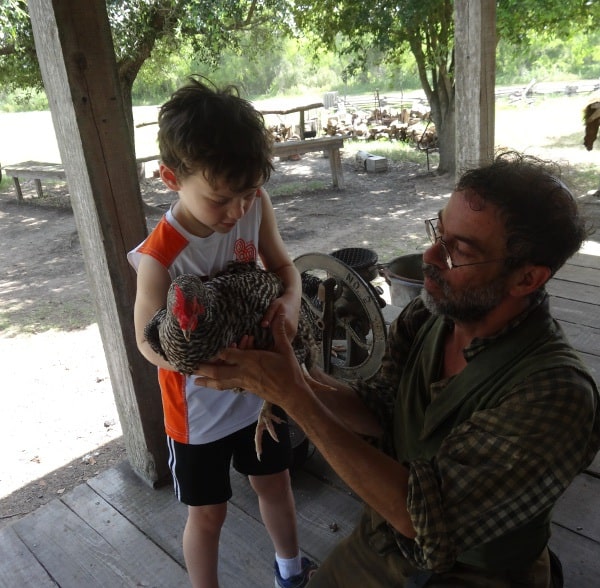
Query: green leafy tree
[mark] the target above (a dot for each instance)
(426, 28)
(18, 62)
(143, 29)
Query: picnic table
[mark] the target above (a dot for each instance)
(329, 145)
(41, 170)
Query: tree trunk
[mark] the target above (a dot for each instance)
(443, 116)
(438, 86)
(126, 93)
(446, 133)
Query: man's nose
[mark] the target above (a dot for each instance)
(434, 255)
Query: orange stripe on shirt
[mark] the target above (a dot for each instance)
(174, 402)
(165, 243)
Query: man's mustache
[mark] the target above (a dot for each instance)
(433, 273)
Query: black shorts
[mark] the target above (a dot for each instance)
(201, 472)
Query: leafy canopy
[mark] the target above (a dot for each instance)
(141, 26)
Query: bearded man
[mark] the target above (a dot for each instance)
(482, 411)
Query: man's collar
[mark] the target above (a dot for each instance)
(540, 297)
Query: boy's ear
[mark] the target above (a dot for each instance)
(168, 177)
(528, 279)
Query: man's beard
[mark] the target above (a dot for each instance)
(468, 306)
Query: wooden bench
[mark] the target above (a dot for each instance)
(36, 171)
(329, 145)
(39, 170)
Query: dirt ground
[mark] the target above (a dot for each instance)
(59, 422)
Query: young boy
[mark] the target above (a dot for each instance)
(216, 154)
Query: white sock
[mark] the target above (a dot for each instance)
(289, 567)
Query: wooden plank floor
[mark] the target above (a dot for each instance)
(116, 531)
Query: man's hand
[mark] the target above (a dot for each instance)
(269, 374)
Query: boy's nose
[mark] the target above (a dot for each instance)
(236, 210)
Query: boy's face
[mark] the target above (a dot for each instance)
(204, 208)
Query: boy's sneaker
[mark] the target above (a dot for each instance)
(298, 581)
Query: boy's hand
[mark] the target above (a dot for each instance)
(278, 307)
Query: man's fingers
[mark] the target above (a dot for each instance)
(279, 333)
(246, 342)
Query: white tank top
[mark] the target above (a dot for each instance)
(194, 414)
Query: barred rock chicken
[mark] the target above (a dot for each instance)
(203, 318)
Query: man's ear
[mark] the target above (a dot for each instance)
(169, 178)
(528, 279)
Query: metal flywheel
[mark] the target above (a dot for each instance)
(345, 312)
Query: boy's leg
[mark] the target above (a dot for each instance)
(201, 481)
(270, 480)
(278, 511)
(201, 543)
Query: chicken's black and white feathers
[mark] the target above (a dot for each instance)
(227, 307)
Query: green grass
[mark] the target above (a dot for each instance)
(394, 150)
(583, 177)
(297, 187)
(5, 183)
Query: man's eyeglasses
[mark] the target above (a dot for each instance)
(435, 238)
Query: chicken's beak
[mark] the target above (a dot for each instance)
(187, 334)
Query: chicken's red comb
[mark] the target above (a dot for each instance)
(179, 306)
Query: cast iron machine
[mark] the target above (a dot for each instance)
(345, 309)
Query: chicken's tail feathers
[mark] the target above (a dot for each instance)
(152, 333)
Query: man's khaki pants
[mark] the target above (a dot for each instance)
(359, 562)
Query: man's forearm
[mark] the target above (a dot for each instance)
(343, 401)
(378, 479)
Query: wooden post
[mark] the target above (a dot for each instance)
(475, 54)
(18, 189)
(77, 60)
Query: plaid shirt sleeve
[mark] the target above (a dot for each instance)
(502, 467)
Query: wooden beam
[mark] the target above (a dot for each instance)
(294, 109)
(77, 60)
(475, 54)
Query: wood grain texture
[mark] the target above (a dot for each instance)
(18, 566)
(77, 61)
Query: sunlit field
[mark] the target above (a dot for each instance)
(550, 127)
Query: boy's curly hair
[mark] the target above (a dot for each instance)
(214, 131)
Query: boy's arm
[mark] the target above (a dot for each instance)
(153, 281)
(275, 258)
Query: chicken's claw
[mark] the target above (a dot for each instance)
(266, 420)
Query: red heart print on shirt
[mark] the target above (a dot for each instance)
(244, 251)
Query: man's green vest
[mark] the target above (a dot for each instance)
(420, 425)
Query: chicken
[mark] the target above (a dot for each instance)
(203, 318)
